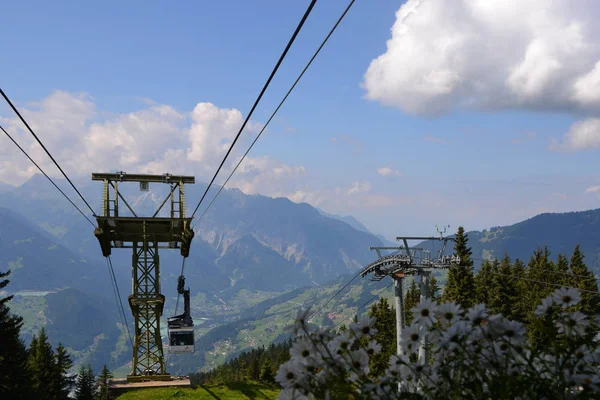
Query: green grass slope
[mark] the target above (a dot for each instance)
(229, 391)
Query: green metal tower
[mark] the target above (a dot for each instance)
(145, 235)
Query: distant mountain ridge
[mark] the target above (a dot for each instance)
(560, 232)
(356, 224)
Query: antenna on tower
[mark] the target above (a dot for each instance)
(441, 232)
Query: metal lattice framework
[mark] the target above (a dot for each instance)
(409, 261)
(145, 235)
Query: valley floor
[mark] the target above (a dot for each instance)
(239, 390)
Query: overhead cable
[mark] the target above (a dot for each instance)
(46, 175)
(278, 107)
(292, 39)
(45, 149)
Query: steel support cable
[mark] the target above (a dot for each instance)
(292, 39)
(179, 294)
(120, 308)
(278, 107)
(120, 301)
(45, 149)
(366, 303)
(336, 293)
(46, 175)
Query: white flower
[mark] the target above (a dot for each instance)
(363, 327)
(301, 322)
(302, 349)
(544, 308)
(572, 323)
(291, 394)
(360, 361)
(340, 343)
(477, 314)
(424, 312)
(452, 337)
(373, 348)
(290, 375)
(411, 337)
(566, 297)
(448, 312)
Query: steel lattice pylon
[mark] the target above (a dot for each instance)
(147, 304)
(145, 235)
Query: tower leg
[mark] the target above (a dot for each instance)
(399, 312)
(147, 306)
(424, 349)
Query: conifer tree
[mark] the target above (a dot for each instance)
(483, 283)
(385, 323)
(411, 299)
(14, 372)
(434, 288)
(62, 381)
(102, 384)
(460, 286)
(85, 386)
(504, 291)
(520, 308)
(44, 367)
(539, 275)
(584, 279)
(562, 270)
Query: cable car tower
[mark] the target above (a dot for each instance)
(407, 261)
(145, 235)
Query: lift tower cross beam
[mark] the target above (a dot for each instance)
(145, 235)
(407, 261)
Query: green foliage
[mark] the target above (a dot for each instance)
(411, 299)
(235, 390)
(515, 290)
(102, 384)
(14, 374)
(385, 323)
(85, 386)
(258, 365)
(460, 286)
(483, 283)
(504, 292)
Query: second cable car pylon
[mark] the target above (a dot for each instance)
(145, 235)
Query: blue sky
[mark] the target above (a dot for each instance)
(484, 158)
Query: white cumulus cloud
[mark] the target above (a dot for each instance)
(593, 189)
(156, 139)
(581, 135)
(387, 171)
(490, 54)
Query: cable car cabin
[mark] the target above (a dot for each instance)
(181, 339)
(180, 328)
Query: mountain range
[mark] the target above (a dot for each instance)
(253, 262)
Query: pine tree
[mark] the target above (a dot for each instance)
(584, 279)
(504, 291)
(85, 386)
(460, 286)
(411, 299)
(102, 384)
(540, 274)
(62, 381)
(14, 372)
(385, 323)
(434, 288)
(521, 307)
(44, 367)
(483, 283)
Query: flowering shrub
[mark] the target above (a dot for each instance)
(472, 355)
